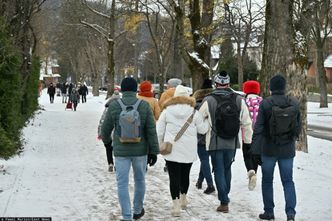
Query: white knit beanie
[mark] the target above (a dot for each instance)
(181, 91)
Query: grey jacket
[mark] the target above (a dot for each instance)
(208, 109)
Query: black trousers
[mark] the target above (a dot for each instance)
(109, 155)
(178, 178)
(248, 160)
(51, 98)
(83, 98)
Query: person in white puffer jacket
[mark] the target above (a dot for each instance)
(176, 112)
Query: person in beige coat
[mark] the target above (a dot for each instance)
(171, 85)
(145, 93)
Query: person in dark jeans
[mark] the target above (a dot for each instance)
(205, 169)
(51, 92)
(83, 91)
(275, 149)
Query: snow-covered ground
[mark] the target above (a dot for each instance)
(62, 174)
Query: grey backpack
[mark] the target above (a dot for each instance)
(129, 123)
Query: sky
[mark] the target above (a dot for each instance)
(62, 173)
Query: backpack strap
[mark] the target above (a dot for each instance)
(124, 107)
(135, 106)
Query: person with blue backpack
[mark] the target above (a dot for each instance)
(252, 90)
(227, 113)
(135, 144)
(277, 127)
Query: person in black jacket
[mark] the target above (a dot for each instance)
(275, 147)
(83, 91)
(51, 92)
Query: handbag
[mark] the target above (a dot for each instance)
(166, 147)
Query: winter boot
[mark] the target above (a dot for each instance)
(199, 184)
(290, 218)
(223, 208)
(176, 209)
(183, 201)
(252, 180)
(266, 216)
(139, 215)
(111, 168)
(209, 189)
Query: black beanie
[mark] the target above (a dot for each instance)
(129, 84)
(207, 84)
(277, 83)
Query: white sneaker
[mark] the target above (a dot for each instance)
(252, 180)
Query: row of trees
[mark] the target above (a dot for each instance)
(155, 40)
(19, 71)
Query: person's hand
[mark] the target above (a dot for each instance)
(257, 159)
(152, 159)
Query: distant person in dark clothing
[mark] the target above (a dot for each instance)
(64, 88)
(74, 97)
(51, 92)
(70, 89)
(83, 91)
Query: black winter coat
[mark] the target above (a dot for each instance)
(262, 142)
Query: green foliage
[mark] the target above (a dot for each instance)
(30, 95)
(18, 97)
(10, 94)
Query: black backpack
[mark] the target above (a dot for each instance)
(227, 115)
(282, 123)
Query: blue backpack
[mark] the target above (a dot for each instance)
(129, 123)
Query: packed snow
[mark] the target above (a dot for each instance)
(62, 173)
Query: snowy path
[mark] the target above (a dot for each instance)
(62, 174)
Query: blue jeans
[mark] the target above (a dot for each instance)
(122, 165)
(222, 161)
(205, 170)
(286, 175)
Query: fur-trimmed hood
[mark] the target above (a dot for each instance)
(201, 93)
(179, 100)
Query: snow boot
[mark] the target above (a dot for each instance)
(209, 189)
(290, 218)
(266, 216)
(139, 215)
(223, 208)
(252, 180)
(176, 209)
(183, 201)
(111, 168)
(199, 184)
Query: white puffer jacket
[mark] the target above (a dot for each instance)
(177, 111)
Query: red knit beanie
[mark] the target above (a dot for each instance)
(145, 89)
(145, 86)
(251, 87)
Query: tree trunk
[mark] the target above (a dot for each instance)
(110, 52)
(321, 75)
(240, 67)
(279, 57)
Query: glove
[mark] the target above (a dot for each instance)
(152, 159)
(257, 159)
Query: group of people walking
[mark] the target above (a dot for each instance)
(69, 93)
(211, 124)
